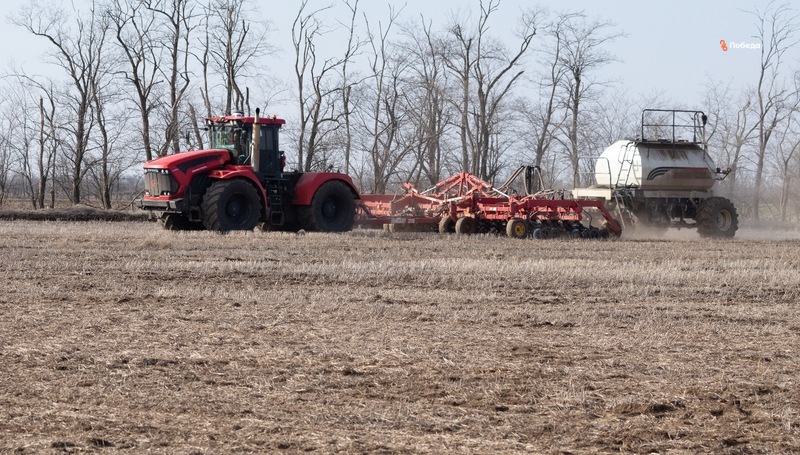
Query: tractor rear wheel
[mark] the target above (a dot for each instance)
(332, 209)
(716, 217)
(517, 228)
(231, 205)
(466, 225)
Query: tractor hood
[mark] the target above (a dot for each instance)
(190, 162)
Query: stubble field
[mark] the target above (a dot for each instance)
(124, 337)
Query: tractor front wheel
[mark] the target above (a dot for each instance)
(717, 217)
(178, 222)
(332, 209)
(231, 205)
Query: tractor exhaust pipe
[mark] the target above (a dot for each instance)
(255, 140)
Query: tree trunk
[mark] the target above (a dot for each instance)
(573, 134)
(464, 130)
(148, 150)
(41, 187)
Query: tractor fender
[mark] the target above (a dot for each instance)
(246, 173)
(309, 183)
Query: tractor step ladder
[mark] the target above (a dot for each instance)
(625, 168)
(275, 201)
(619, 208)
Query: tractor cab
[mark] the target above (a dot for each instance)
(235, 134)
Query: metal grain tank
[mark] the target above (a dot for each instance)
(653, 165)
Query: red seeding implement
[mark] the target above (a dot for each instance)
(465, 204)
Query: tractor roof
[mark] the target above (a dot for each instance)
(240, 118)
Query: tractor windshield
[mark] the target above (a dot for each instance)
(233, 137)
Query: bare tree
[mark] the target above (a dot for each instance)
(49, 143)
(731, 128)
(786, 161)
(108, 162)
(203, 57)
(198, 136)
(80, 54)
(541, 115)
(460, 59)
(582, 53)
(477, 58)
(353, 46)
(493, 84)
(20, 135)
(316, 89)
(176, 26)
(385, 120)
(134, 27)
(775, 26)
(234, 42)
(425, 94)
(17, 137)
(8, 121)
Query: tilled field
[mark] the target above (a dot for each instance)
(124, 337)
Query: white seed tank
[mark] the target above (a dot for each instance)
(661, 166)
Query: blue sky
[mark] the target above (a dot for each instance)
(671, 47)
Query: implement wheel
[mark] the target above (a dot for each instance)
(717, 218)
(231, 205)
(517, 228)
(466, 225)
(447, 225)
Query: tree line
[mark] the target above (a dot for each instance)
(386, 99)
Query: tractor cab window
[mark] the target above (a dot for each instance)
(270, 161)
(236, 138)
(233, 138)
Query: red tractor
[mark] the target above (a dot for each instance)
(239, 183)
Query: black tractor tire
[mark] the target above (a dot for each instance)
(466, 225)
(332, 209)
(231, 205)
(178, 222)
(716, 217)
(447, 225)
(517, 228)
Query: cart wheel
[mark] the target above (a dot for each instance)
(517, 228)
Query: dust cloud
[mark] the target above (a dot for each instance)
(686, 234)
